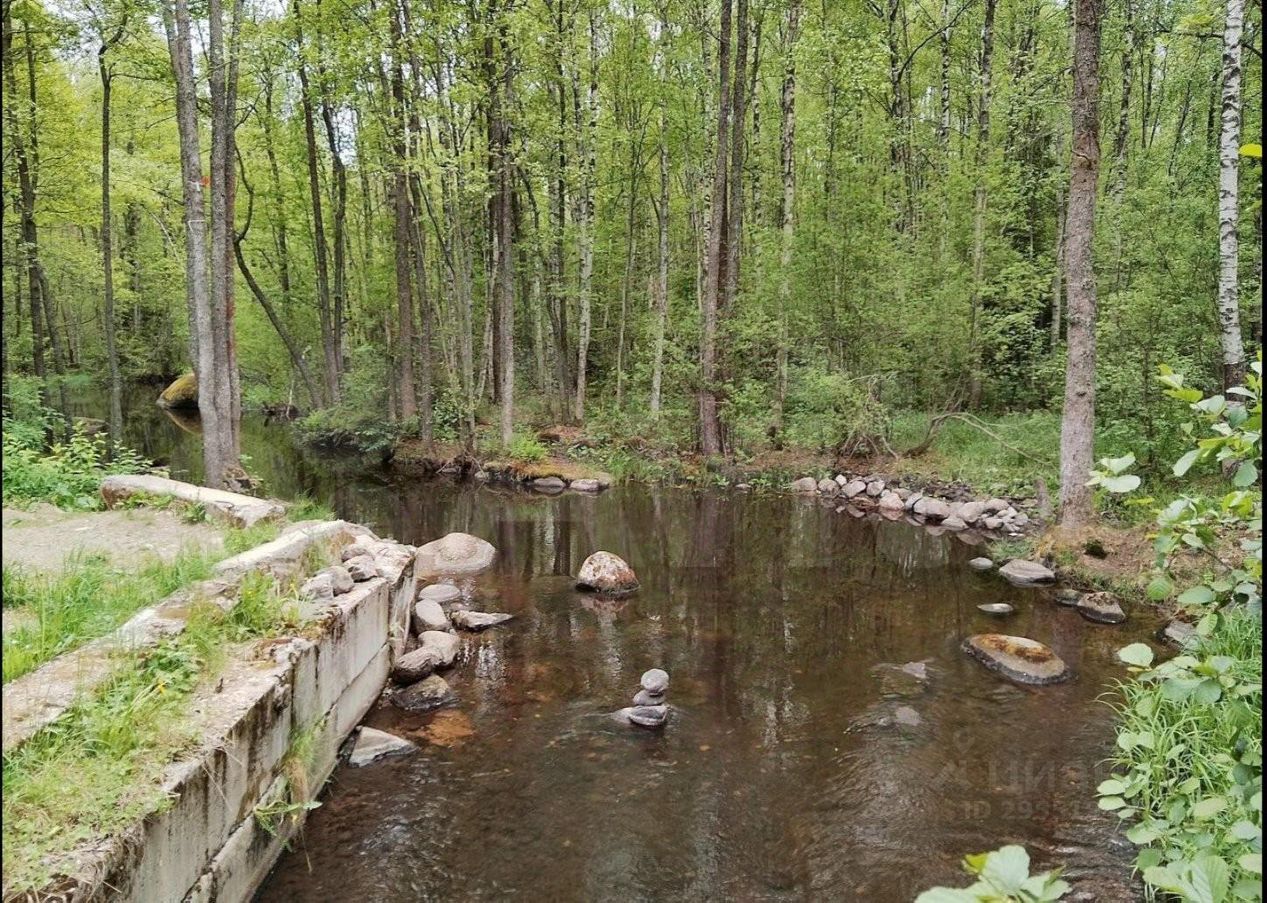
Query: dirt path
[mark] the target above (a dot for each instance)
(42, 536)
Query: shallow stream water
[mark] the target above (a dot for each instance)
(801, 763)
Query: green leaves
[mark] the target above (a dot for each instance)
(1112, 475)
(1004, 878)
(1138, 654)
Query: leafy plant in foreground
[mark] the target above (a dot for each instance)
(1002, 877)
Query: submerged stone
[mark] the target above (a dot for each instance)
(440, 593)
(427, 694)
(644, 715)
(374, 744)
(1103, 608)
(996, 608)
(981, 564)
(1017, 658)
(436, 650)
(479, 620)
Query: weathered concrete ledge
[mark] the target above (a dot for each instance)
(35, 700)
(238, 510)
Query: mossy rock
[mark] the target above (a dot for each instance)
(182, 393)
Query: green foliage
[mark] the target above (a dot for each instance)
(1003, 876)
(1189, 760)
(826, 410)
(526, 449)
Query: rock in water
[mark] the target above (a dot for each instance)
(981, 564)
(425, 695)
(804, 484)
(604, 572)
(645, 715)
(436, 650)
(853, 488)
(373, 744)
(456, 553)
(1068, 596)
(181, 394)
(428, 615)
(1103, 608)
(1180, 633)
(440, 593)
(907, 716)
(585, 484)
(1017, 658)
(891, 501)
(655, 681)
(1026, 573)
(644, 698)
(548, 484)
(996, 608)
(479, 620)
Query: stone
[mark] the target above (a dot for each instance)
(1020, 520)
(655, 681)
(907, 716)
(436, 650)
(456, 553)
(971, 512)
(428, 615)
(318, 588)
(954, 523)
(828, 487)
(804, 484)
(743, 487)
(341, 578)
(875, 488)
(647, 715)
(1068, 596)
(362, 568)
(548, 484)
(1103, 608)
(1017, 658)
(996, 608)
(934, 509)
(890, 501)
(991, 522)
(604, 572)
(903, 494)
(440, 593)
(585, 485)
(374, 744)
(1180, 633)
(1008, 514)
(995, 505)
(644, 698)
(853, 488)
(1026, 573)
(912, 500)
(355, 550)
(479, 620)
(181, 394)
(981, 564)
(427, 694)
(841, 480)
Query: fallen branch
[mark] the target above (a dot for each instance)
(974, 422)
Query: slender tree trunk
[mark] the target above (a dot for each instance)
(1121, 139)
(662, 267)
(1229, 200)
(278, 216)
(734, 203)
(1058, 274)
(107, 250)
(787, 215)
(979, 199)
(706, 397)
(1077, 430)
(943, 122)
(401, 210)
(587, 223)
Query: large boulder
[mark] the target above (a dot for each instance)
(931, 508)
(891, 501)
(181, 394)
(1026, 573)
(1017, 658)
(455, 554)
(604, 572)
(804, 484)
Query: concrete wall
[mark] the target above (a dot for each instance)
(210, 844)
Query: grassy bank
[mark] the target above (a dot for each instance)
(98, 769)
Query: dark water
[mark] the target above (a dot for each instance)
(785, 774)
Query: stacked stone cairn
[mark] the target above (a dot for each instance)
(649, 709)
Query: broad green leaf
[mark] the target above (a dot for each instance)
(1198, 595)
(1118, 465)
(1111, 786)
(1125, 483)
(1160, 588)
(1252, 862)
(1111, 803)
(1246, 475)
(1208, 808)
(1184, 464)
(1138, 654)
(1006, 868)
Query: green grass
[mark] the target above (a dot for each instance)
(1188, 767)
(98, 769)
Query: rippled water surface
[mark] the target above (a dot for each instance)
(801, 762)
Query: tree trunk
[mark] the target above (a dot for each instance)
(787, 222)
(662, 264)
(979, 198)
(1077, 429)
(706, 396)
(1121, 139)
(401, 209)
(107, 251)
(1229, 200)
(586, 223)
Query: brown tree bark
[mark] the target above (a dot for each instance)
(1077, 430)
(787, 223)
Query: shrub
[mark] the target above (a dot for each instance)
(526, 449)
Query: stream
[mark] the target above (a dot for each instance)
(801, 762)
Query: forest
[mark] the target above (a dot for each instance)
(727, 225)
